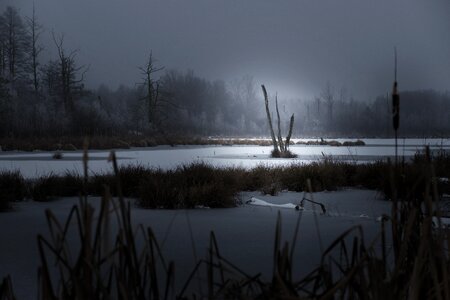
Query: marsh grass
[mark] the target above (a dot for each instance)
(200, 184)
(50, 187)
(189, 186)
(12, 188)
(6, 289)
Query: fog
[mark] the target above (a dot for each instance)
(293, 46)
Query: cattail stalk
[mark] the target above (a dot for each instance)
(395, 107)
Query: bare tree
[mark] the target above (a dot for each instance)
(70, 76)
(14, 44)
(249, 95)
(328, 96)
(2, 47)
(35, 30)
(151, 86)
(318, 106)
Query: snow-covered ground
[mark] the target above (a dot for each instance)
(38, 163)
(245, 234)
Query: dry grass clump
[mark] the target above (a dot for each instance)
(50, 187)
(57, 155)
(130, 176)
(263, 178)
(189, 186)
(282, 154)
(323, 176)
(370, 176)
(12, 188)
(158, 191)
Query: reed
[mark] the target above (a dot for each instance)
(6, 289)
(12, 188)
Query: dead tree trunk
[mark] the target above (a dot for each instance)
(151, 96)
(35, 30)
(288, 137)
(269, 119)
(280, 139)
(280, 149)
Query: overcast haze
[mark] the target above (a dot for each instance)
(293, 46)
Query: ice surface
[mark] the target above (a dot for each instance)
(38, 163)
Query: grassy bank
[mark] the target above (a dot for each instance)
(200, 184)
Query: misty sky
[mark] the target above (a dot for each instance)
(292, 46)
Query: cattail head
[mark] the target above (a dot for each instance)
(395, 106)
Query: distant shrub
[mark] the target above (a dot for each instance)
(334, 143)
(57, 155)
(355, 143)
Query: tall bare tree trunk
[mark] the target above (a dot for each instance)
(288, 137)
(269, 119)
(280, 139)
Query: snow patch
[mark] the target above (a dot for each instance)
(259, 202)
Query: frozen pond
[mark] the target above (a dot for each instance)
(38, 163)
(245, 234)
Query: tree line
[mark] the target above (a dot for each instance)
(49, 98)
